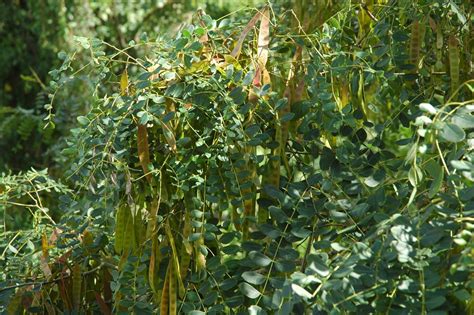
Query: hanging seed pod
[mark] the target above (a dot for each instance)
(138, 227)
(186, 248)
(453, 52)
(143, 150)
(172, 291)
(120, 228)
(174, 257)
(165, 293)
(151, 225)
(14, 305)
(129, 232)
(439, 49)
(415, 44)
(200, 258)
(124, 83)
(152, 266)
(76, 286)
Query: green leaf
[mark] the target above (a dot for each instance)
(452, 133)
(83, 120)
(249, 291)
(463, 120)
(83, 41)
(287, 117)
(278, 214)
(259, 259)
(253, 277)
(143, 119)
(301, 291)
(462, 295)
(319, 267)
(228, 284)
(238, 95)
(436, 171)
(256, 310)
(183, 141)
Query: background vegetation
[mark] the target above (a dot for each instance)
(306, 157)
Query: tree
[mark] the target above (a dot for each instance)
(277, 162)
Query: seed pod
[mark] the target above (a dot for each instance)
(129, 232)
(186, 248)
(143, 150)
(439, 49)
(76, 286)
(174, 259)
(151, 224)
(415, 44)
(453, 52)
(120, 228)
(172, 289)
(153, 263)
(165, 293)
(124, 83)
(200, 258)
(15, 304)
(138, 226)
(249, 199)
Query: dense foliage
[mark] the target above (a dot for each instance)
(305, 157)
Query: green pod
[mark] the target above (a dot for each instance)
(129, 232)
(76, 286)
(415, 44)
(139, 229)
(454, 61)
(14, 305)
(120, 228)
(165, 293)
(173, 297)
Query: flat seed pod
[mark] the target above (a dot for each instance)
(152, 265)
(415, 44)
(165, 293)
(129, 232)
(151, 225)
(174, 258)
(238, 46)
(124, 83)
(138, 226)
(143, 150)
(186, 248)
(14, 306)
(453, 52)
(200, 258)
(173, 305)
(76, 286)
(120, 228)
